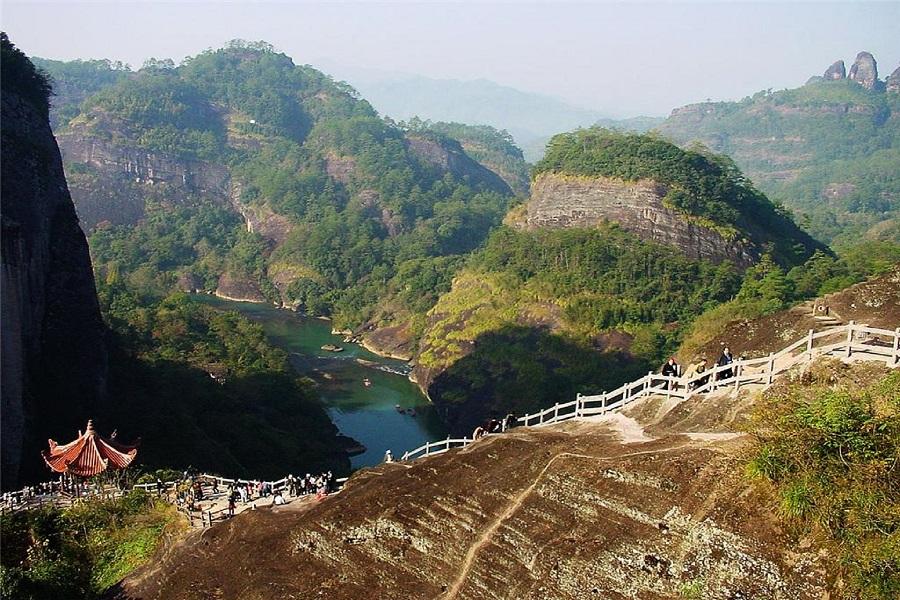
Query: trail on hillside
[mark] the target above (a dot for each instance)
(517, 502)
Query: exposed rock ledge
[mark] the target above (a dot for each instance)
(239, 290)
(559, 201)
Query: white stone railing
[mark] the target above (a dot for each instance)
(849, 340)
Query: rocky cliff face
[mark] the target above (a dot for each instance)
(568, 201)
(53, 356)
(893, 81)
(451, 158)
(835, 71)
(865, 71)
(112, 181)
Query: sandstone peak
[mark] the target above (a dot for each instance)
(865, 70)
(893, 81)
(835, 71)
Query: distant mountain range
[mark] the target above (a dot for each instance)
(829, 150)
(531, 118)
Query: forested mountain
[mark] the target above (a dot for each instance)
(625, 240)
(493, 148)
(829, 150)
(243, 173)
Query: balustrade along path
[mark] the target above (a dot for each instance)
(848, 342)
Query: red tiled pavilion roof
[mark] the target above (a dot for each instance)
(88, 455)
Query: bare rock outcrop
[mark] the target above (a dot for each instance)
(865, 70)
(835, 71)
(112, 182)
(893, 81)
(450, 157)
(571, 511)
(570, 201)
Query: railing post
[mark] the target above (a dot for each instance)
(897, 345)
(556, 411)
(849, 339)
(649, 381)
(578, 402)
(809, 345)
(209, 517)
(737, 377)
(771, 368)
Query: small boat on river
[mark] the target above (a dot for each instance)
(332, 348)
(367, 382)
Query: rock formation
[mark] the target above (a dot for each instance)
(451, 158)
(123, 178)
(835, 71)
(53, 355)
(893, 81)
(865, 71)
(568, 201)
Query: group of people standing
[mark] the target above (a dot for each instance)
(672, 369)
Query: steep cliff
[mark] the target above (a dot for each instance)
(112, 182)
(559, 200)
(54, 360)
(692, 200)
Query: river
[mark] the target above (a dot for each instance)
(368, 414)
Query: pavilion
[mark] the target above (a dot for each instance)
(89, 454)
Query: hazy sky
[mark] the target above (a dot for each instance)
(622, 58)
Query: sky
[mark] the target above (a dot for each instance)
(624, 59)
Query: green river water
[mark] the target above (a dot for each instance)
(367, 414)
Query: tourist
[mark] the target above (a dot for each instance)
(243, 493)
(695, 369)
(725, 359)
(671, 369)
(231, 503)
(388, 457)
(277, 499)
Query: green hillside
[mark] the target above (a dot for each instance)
(705, 187)
(830, 151)
(360, 203)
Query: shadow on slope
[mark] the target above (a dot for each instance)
(518, 369)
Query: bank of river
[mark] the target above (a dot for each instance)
(367, 414)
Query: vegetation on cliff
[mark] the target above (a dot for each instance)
(706, 187)
(493, 148)
(82, 551)
(829, 150)
(767, 288)
(540, 315)
(829, 446)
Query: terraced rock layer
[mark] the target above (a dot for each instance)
(563, 512)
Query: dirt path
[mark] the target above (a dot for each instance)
(516, 503)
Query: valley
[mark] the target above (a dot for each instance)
(366, 413)
(238, 261)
